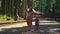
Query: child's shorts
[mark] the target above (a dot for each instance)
(36, 22)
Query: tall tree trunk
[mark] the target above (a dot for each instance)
(12, 10)
(5, 7)
(17, 9)
(26, 6)
(23, 8)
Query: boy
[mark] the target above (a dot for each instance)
(37, 22)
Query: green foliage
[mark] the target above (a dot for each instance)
(43, 4)
(35, 3)
(19, 3)
(4, 16)
(57, 4)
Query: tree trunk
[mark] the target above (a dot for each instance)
(12, 9)
(23, 8)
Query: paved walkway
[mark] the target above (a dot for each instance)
(49, 27)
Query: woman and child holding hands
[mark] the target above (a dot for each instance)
(29, 16)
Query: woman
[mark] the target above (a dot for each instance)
(29, 18)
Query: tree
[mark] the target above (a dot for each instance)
(57, 4)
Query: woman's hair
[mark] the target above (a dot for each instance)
(30, 9)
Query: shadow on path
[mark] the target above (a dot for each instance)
(19, 30)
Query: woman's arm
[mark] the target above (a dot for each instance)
(36, 12)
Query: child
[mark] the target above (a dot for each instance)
(37, 22)
(37, 14)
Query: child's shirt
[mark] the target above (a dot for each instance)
(36, 21)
